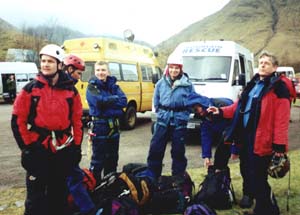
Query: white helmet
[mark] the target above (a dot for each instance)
(174, 59)
(53, 51)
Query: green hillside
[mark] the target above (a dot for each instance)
(271, 25)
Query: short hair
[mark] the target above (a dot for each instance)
(271, 56)
(100, 63)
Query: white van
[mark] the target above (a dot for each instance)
(216, 68)
(23, 72)
(287, 70)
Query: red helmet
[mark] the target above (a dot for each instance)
(74, 61)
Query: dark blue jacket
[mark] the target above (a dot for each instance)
(105, 99)
(211, 130)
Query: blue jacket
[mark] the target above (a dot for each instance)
(105, 99)
(210, 129)
(170, 102)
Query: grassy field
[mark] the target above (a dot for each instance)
(11, 200)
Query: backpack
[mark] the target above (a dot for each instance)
(134, 168)
(216, 190)
(123, 205)
(89, 183)
(171, 194)
(199, 209)
(139, 187)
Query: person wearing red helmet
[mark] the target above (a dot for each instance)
(74, 67)
(46, 124)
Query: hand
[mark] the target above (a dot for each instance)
(213, 110)
(207, 162)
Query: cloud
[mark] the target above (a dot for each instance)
(151, 21)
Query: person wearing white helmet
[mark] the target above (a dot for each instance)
(46, 123)
(170, 98)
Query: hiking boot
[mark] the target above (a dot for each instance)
(246, 202)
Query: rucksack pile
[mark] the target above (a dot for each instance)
(216, 190)
(172, 194)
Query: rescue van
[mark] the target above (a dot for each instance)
(132, 64)
(23, 72)
(216, 68)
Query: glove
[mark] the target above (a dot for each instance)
(34, 157)
(76, 155)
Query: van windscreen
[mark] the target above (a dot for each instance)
(207, 68)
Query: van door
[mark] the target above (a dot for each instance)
(130, 84)
(147, 87)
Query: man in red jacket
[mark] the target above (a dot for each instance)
(46, 123)
(260, 121)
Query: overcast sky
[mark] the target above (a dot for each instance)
(152, 21)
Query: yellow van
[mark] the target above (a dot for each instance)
(132, 64)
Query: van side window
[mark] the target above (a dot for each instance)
(21, 77)
(249, 73)
(114, 69)
(146, 73)
(88, 72)
(236, 72)
(129, 72)
(242, 64)
(158, 71)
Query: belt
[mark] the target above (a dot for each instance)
(176, 109)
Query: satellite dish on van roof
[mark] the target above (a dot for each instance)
(128, 35)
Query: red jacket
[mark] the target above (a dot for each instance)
(46, 108)
(273, 122)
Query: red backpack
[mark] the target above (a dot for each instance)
(291, 87)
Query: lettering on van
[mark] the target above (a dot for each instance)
(202, 48)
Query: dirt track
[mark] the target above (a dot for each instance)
(134, 147)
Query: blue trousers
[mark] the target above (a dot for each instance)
(105, 148)
(162, 134)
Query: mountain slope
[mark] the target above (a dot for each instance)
(271, 25)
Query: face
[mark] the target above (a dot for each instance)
(199, 110)
(101, 72)
(48, 65)
(174, 71)
(76, 74)
(265, 67)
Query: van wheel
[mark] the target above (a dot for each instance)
(129, 118)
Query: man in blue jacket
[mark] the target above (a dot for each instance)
(106, 101)
(211, 131)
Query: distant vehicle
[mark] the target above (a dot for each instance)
(287, 70)
(216, 68)
(132, 64)
(23, 72)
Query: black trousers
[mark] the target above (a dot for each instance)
(47, 187)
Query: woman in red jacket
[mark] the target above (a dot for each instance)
(260, 124)
(46, 123)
